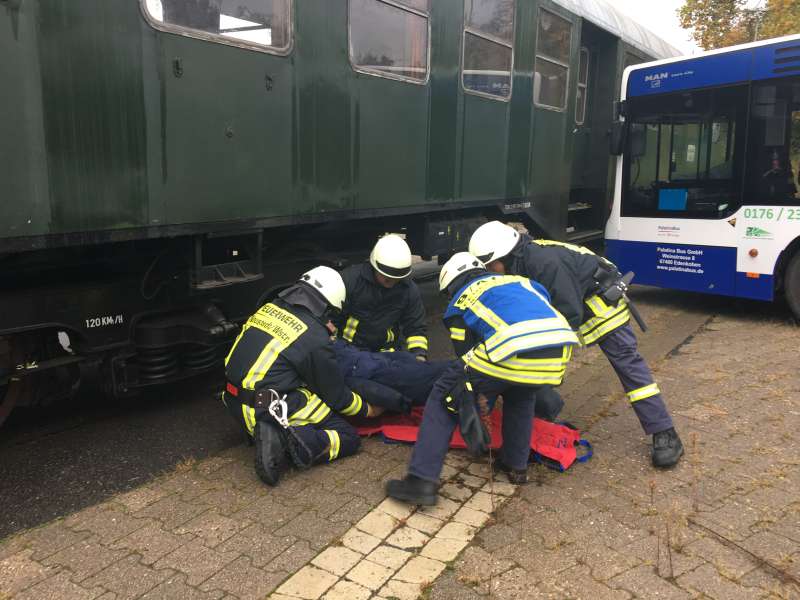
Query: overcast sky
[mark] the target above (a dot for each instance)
(661, 18)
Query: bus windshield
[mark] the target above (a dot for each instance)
(685, 154)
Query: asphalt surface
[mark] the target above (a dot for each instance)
(75, 455)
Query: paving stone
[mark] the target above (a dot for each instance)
(579, 583)
(107, 525)
(731, 563)
(58, 587)
(457, 531)
(498, 536)
(775, 548)
(393, 558)
(443, 509)
(448, 473)
(139, 498)
(243, 580)
(211, 527)
(171, 511)
(128, 578)
(606, 562)
(228, 500)
(399, 510)
(420, 570)
(258, 543)
(470, 480)
(644, 582)
(514, 585)
(407, 538)
(18, 571)
(46, 541)
(500, 488)
(424, 523)
(469, 516)
(309, 583)
(195, 560)
(377, 524)
(175, 588)
(478, 565)
(360, 541)
(479, 470)
(483, 502)
(152, 542)
(456, 492)
(442, 549)
(347, 590)
(707, 580)
(85, 558)
(337, 559)
(401, 590)
(317, 531)
(293, 558)
(459, 461)
(370, 575)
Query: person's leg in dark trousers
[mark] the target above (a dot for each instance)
(619, 346)
(433, 440)
(326, 441)
(519, 404)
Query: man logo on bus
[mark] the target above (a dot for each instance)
(655, 79)
(757, 232)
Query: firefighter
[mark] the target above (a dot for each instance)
(284, 385)
(570, 274)
(384, 307)
(511, 342)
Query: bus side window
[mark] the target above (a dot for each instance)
(774, 151)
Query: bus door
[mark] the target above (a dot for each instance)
(682, 189)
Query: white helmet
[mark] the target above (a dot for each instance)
(493, 240)
(391, 257)
(459, 263)
(327, 282)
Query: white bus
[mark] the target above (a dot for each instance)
(707, 195)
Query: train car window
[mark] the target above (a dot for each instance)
(551, 71)
(488, 47)
(583, 88)
(390, 39)
(264, 25)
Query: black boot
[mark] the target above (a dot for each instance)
(413, 490)
(515, 476)
(667, 448)
(271, 460)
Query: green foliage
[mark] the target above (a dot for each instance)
(720, 23)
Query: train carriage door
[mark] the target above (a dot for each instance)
(486, 78)
(594, 97)
(221, 87)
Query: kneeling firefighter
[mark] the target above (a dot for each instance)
(512, 343)
(284, 385)
(589, 291)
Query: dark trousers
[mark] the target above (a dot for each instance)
(620, 349)
(438, 425)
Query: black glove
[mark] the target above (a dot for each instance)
(462, 401)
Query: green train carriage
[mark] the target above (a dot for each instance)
(168, 164)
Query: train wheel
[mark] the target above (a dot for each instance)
(11, 353)
(792, 284)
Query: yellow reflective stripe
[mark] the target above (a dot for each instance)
(526, 327)
(387, 349)
(458, 334)
(389, 335)
(262, 364)
(527, 377)
(355, 406)
(236, 341)
(249, 415)
(573, 247)
(468, 385)
(350, 329)
(532, 364)
(417, 341)
(487, 314)
(314, 411)
(476, 289)
(532, 341)
(594, 329)
(335, 444)
(643, 393)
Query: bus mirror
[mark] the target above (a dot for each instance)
(638, 139)
(616, 138)
(619, 109)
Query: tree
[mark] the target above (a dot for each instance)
(720, 23)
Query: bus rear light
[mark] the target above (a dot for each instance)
(753, 252)
(753, 275)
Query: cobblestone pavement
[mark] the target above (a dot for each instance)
(724, 524)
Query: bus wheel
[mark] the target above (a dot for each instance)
(12, 392)
(792, 284)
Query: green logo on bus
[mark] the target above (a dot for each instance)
(757, 232)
